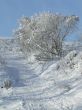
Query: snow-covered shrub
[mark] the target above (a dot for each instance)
(44, 34)
(7, 84)
(71, 55)
(70, 58)
(67, 63)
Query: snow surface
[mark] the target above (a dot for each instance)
(55, 85)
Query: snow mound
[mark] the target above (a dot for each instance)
(67, 67)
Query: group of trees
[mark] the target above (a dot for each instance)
(42, 35)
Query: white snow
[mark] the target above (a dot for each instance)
(55, 86)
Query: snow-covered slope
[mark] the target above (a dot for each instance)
(58, 87)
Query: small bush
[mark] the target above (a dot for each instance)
(7, 84)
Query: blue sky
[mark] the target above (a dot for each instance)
(12, 10)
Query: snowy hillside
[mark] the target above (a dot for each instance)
(55, 85)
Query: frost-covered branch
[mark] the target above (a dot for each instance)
(44, 33)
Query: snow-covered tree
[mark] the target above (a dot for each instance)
(43, 34)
